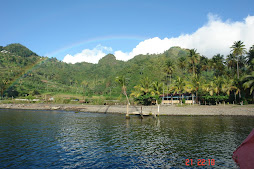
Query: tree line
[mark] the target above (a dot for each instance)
(212, 80)
(145, 77)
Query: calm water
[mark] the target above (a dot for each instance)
(54, 139)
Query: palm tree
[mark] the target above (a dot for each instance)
(178, 87)
(238, 49)
(4, 85)
(231, 61)
(182, 62)
(145, 86)
(242, 62)
(169, 68)
(190, 89)
(250, 55)
(228, 86)
(71, 81)
(84, 84)
(211, 88)
(204, 63)
(146, 89)
(238, 85)
(196, 83)
(193, 59)
(217, 63)
(121, 80)
(157, 90)
(250, 58)
(249, 83)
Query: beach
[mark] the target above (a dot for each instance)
(245, 110)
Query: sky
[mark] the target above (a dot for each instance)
(87, 30)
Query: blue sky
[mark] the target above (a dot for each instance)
(57, 28)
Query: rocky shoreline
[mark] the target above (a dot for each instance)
(247, 110)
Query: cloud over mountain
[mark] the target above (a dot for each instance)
(216, 36)
(88, 55)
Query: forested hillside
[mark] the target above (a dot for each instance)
(176, 71)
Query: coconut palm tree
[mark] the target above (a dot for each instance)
(238, 49)
(238, 84)
(148, 91)
(249, 83)
(231, 61)
(193, 59)
(210, 87)
(217, 63)
(250, 57)
(3, 85)
(145, 85)
(228, 86)
(182, 62)
(169, 68)
(84, 85)
(178, 87)
(144, 89)
(204, 63)
(190, 89)
(157, 90)
(196, 83)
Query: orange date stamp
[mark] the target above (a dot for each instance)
(199, 162)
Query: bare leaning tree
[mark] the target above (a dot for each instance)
(121, 80)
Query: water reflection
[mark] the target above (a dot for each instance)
(71, 140)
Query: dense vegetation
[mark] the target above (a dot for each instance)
(144, 78)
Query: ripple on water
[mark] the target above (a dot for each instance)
(46, 139)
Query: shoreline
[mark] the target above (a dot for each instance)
(230, 110)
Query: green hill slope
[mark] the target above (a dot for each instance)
(23, 72)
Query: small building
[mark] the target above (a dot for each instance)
(51, 99)
(5, 51)
(175, 98)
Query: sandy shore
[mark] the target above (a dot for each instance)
(121, 109)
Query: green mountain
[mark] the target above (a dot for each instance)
(27, 72)
(19, 50)
(23, 72)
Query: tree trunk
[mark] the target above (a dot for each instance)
(252, 97)
(192, 98)
(128, 102)
(193, 69)
(127, 112)
(235, 96)
(2, 93)
(126, 96)
(180, 99)
(158, 108)
(196, 96)
(237, 67)
(163, 93)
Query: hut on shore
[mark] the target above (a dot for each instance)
(176, 98)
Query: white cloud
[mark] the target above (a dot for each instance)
(88, 55)
(216, 36)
